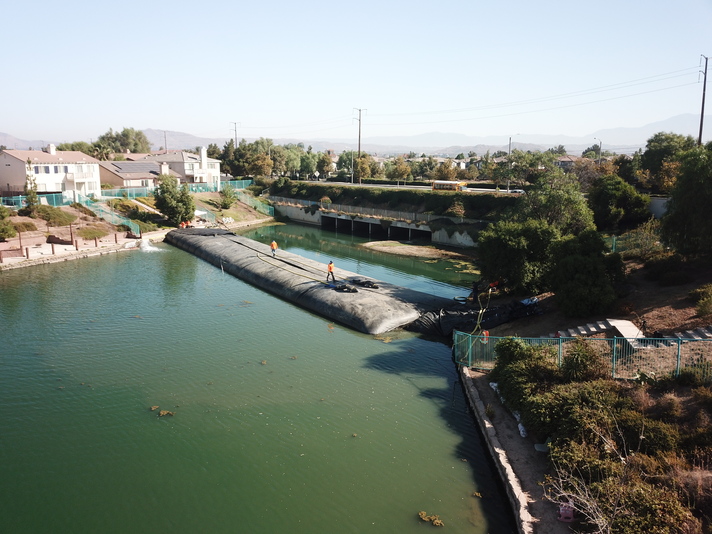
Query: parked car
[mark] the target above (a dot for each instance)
(517, 191)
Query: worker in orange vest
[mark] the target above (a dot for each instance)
(274, 247)
(330, 271)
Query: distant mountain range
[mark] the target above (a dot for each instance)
(619, 140)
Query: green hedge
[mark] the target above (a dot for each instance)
(488, 206)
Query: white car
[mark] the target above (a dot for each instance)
(517, 191)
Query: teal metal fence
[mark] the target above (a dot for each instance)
(255, 204)
(108, 215)
(136, 192)
(629, 358)
(127, 192)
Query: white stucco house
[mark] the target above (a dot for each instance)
(193, 168)
(54, 171)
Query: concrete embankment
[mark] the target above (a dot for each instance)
(302, 281)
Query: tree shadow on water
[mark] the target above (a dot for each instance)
(455, 410)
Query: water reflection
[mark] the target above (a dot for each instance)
(443, 277)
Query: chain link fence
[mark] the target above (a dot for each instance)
(629, 358)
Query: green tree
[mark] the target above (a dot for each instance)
(7, 230)
(687, 226)
(174, 202)
(398, 170)
(32, 200)
(445, 171)
(228, 196)
(101, 151)
(128, 140)
(77, 146)
(518, 252)
(616, 205)
(279, 159)
(259, 165)
(324, 165)
(214, 151)
(362, 168)
(662, 147)
(579, 275)
(307, 165)
(559, 150)
(346, 160)
(557, 199)
(293, 159)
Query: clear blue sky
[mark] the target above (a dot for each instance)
(72, 70)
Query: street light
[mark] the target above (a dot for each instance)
(600, 149)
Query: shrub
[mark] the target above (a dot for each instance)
(7, 229)
(647, 435)
(583, 363)
(573, 411)
(701, 293)
(661, 264)
(704, 307)
(25, 226)
(145, 226)
(83, 209)
(55, 216)
(640, 507)
(91, 232)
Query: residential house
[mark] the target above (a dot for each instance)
(133, 173)
(192, 168)
(54, 171)
(567, 162)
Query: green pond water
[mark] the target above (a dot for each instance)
(284, 421)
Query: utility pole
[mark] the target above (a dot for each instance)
(704, 90)
(165, 142)
(359, 139)
(235, 124)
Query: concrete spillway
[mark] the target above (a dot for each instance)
(302, 281)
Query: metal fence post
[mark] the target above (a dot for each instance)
(679, 357)
(613, 357)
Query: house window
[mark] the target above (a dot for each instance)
(46, 169)
(189, 167)
(37, 170)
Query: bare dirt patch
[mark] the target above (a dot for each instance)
(407, 248)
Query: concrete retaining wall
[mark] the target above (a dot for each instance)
(458, 239)
(517, 497)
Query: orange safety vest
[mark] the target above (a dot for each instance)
(273, 246)
(331, 267)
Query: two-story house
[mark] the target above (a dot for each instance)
(133, 173)
(193, 168)
(54, 171)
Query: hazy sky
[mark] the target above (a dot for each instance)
(278, 69)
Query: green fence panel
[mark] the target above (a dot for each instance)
(629, 358)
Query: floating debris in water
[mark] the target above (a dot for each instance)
(434, 518)
(154, 408)
(163, 413)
